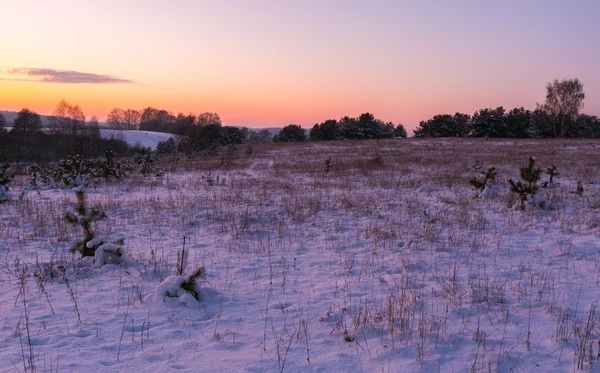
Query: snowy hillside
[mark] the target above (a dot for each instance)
(387, 260)
(142, 138)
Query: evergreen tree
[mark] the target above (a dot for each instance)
(518, 123)
(489, 123)
(530, 175)
(445, 125)
(291, 133)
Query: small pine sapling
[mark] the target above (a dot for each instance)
(579, 189)
(328, 166)
(36, 176)
(209, 179)
(4, 180)
(74, 171)
(489, 176)
(190, 284)
(86, 219)
(552, 172)
(530, 176)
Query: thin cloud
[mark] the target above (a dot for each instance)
(65, 76)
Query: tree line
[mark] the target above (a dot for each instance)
(364, 127)
(67, 133)
(558, 116)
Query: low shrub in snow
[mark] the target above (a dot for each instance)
(184, 288)
(487, 178)
(74, 171)
(108, 168)
(145, 157)
(552, 172)
(106, 253)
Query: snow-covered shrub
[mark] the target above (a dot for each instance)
(107, 167)
(39, 178)
(145, 157)
(74, 171)
(35, 172)
(530, 176)
(540, 202)
(166, 147)
(4, 181)
(185, 288)
(86, 219)
(107, 253)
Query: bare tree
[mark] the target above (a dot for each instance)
(564, 99)
(207, 118)
(131, 119)
(116, 119)
(67, 119)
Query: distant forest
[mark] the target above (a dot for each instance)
(68, 132)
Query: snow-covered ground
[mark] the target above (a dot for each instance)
(133, 138)
(387, 263)
(142, 138)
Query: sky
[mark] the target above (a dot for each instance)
(272, 63)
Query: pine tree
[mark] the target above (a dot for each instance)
(86, 219)
(552, 172)
(488, 176)
(530, 176)
(189, 285)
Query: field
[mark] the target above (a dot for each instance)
(386, 262)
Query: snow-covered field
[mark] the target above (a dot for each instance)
(141, 138)
(387, 263)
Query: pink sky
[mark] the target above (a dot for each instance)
(265, 63)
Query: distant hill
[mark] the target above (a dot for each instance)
(11, 115)
(141, 138)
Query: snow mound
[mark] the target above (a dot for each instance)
(108, 253)
(540, 202)
(489, 193)
(425, 188)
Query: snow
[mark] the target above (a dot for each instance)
(393, 267)
(489, 192)
(141, 138)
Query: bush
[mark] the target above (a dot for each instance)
(74, 171)
(145, 157)
(166, 147)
